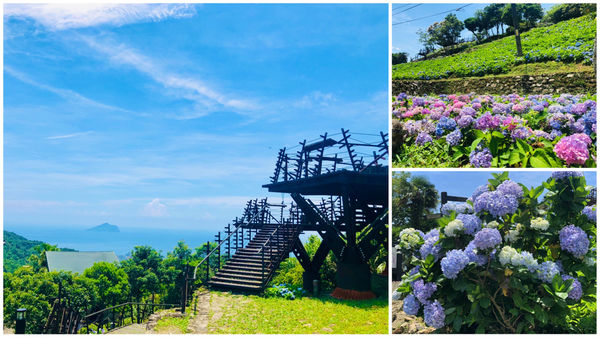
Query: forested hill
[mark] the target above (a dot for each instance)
(17, 250)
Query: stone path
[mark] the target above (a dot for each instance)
(132, 329)
(199, 323)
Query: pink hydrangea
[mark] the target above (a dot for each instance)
(573, 149)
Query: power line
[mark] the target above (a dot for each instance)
(400, 7)
(429, 16)
(407, 9)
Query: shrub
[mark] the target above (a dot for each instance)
(285, 291)
(530, 268)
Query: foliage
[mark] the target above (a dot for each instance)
(413, 197)
(562, 12)
(111, 282)
(496, 131)
(285, 291)
(398, 58)
(18, 250)
(172, 325)
(252, 314)
(527, 265)
(447, 32)
(567, 41)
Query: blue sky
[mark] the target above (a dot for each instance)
(171, 115)
(463, 183)
(405, 37)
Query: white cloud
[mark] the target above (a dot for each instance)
(68, 16)
(155, 209)
(64, 93)
(59, 137)
(206, 98)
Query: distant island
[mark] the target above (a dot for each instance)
(105, 227)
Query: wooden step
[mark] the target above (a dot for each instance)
(239, 286)
(236, 280)
(224, 274)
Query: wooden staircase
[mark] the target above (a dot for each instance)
(252, 266)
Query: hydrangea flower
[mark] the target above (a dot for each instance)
(509, 187)
(590, 212)
(430, 248)
(492, 225)
(574, 240)
(487, 238)
(433, 233)
(454, 137)
(528, 261)
(423, 138)
(479, 190)
(506, 255)
(411, 305)
(481, 159)
(457, 207)
(473, 255)
(434, 315)
(410, 238)
(561, 175)
(539, 223)
(471, 223)
(423, 291)
(547, 270)
(496, 203)
(453, 228)
(576, 290)
(573, 149)
(453, 263)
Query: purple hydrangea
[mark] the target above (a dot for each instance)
(576, 290)
(481, 159)
(496, 203)
(433, 233)
(479, 190)
(430, 248)
(464, 121)
(521, 133)
(487, 238)
(471, 223)
(411, 305)
(590, 212)
(454, 137)
(423, 291)
(547, 270)
(509, 187)
(574, 240)
(453, 263)
(423, 138)
(434, 315)
(487, 121)
(579, 109)
(447, 208)
(561, 175)
(471, 252)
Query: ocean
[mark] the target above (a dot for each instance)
(121, 243)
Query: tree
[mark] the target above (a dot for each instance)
(111, 282)
(562, 12)
(398, 58)
(447, 32)
(493, 16)
(532, 13)
(513, 10)
(38, 260)
(413, 198)
(472, 25)
(143, 270)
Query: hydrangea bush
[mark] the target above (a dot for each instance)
(285, 291)
(484, 131)
(524, 261)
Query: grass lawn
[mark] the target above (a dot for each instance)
(172, 325)
(234, 314)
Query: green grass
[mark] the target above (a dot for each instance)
(257, 315)
(172, 325)
(568, 43)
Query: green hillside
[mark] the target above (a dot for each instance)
(17, 250)
(567, 43)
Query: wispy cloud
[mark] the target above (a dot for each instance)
(67, 94)
(68, 16)
(59, 137)
(206, 98)
(155, 209)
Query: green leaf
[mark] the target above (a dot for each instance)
(484, 302)
(480, 329)
(457, 324)
(538, 161)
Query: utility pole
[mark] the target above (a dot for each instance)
(513, 10)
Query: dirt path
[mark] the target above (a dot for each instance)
(132, 329)
(199, 323)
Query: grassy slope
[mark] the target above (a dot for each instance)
(487, 57)
(254, 314)
(17, 250)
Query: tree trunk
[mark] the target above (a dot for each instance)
(513, 9)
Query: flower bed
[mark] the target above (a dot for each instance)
(514, 265)
(496, 131)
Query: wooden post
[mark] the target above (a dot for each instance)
(207, 263)
(219, 248)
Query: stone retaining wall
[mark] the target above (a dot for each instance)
(573, 83)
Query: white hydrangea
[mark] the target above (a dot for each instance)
(410, 238)
(539, 223)
(542, 212)
(506, 255)
(589, 261)
(511, 236)
(453, 228)
(492, 224)
(528, 261)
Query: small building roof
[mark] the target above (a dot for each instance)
(77, 261)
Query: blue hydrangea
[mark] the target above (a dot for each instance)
(414, 270)
(574, 240)
(592, 194)
(443, 124)
(487, 238)
(434, 315)
(429, 248)
(433, 233)
(454, 137)
(411, 305)
(481, 159)
(576, 290)
(509, 187)
(561, 175)
(457, 207)
(547, 270)
(496, 203)
(480, 190)
(471, 223)
(423, 291)
(590, 212)
(453, 263)
(474, 257)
